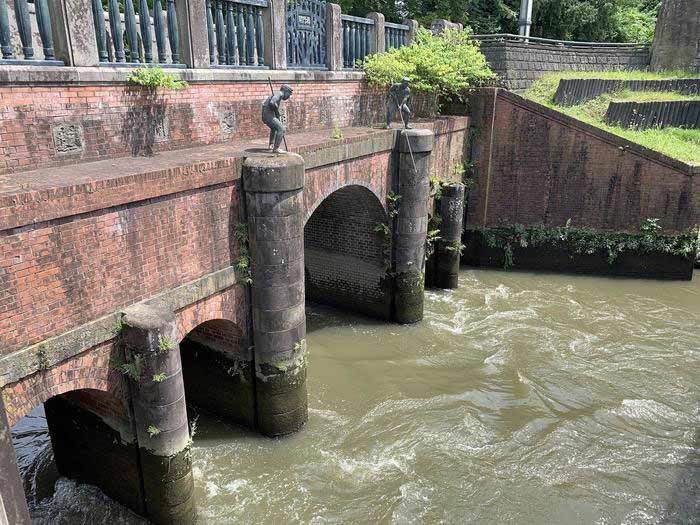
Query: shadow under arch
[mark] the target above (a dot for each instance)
(347, 253)
(218, 372)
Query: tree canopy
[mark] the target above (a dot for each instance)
(586, 20)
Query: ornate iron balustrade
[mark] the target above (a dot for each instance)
(395, 35)
(130, 37)
(306, 34)
(357, 34)
(236, 32)
(18, 28)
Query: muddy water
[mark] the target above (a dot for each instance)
(522, 397)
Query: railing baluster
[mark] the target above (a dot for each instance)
(241, 30)
(24, 26)
(98, 17)
(231, 30)
(260, 36)
(346, 44)
(5, 39)
(115, 24)
(352, 44)
(220, 32)
(43, 21)
(145, 24)
(210, 33)
(131, 36)
(250, 34)
(173, 32)
(159, 29)
(358, 46)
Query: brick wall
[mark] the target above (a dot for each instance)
(520, 64)
(345, 259)
(535, 165)
(58, 125)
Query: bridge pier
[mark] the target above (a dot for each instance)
(160, 415)
(13, 505)
(275, 210)
(448, 248)
(415, 146)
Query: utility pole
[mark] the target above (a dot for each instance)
(525, 20)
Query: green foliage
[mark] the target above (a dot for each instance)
(153, 430)
(448, 64)
(454, 246)
(133, 370)
(580, 241)
(382, 229)
(242, 262)
(435, 187)
(393, 204)
(159, 378)
(300, 345)
(469, 185)
(154, 78)
(681, 144)
(42, 359)
(431, 237)
(165, 344)
(336, 134)
(118, 325)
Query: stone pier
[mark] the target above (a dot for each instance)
(448, 249)
(275, 209)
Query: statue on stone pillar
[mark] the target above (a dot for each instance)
(397, 99)
(271, 116)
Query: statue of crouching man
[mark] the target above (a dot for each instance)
(271, 116)
(397, 99)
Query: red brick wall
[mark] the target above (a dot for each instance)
(118, 120)
(536, 166)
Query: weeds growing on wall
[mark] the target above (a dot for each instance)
(242, 262)
(584, 241)
(154, 78)
(442, 65)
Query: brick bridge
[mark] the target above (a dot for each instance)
(107, 268)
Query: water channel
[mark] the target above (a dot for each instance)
(522, 397)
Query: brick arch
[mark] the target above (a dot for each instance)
(345, 257)
(378, 193)
(94, 369)
(229, 305)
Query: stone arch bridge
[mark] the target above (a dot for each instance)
(125, 292)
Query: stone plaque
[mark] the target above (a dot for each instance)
(227, 121)
(161, 130)
(68, 138)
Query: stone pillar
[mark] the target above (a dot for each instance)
(275, 209)
(412, 29)
(13, 506)
(275, 41)
(334, 38)
(194, 40)
(411, 224)
(158, 397)
(677, 35)
(447, 252)
(378, 43)
(438, 26)
(74, 32)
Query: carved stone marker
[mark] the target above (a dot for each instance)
(68, 138)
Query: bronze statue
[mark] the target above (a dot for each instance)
(271, 116)
(397, 99)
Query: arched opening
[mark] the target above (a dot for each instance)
(217, 371)
(79, 447)
(347, 249)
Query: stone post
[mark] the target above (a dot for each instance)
(411, 224)
(447, 252)
(194, 40)
(158, 397)
(74, 32)
(275, 209)
(13, 505)
(275, 42)
(334, 38)
(438, 26)
(378, 42)
(412, 29)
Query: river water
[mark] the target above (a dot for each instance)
(522, 397)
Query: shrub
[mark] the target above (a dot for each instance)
(154, 78)
(444, 65)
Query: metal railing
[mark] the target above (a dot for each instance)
(236, 32)
(357, 43)
(395, 35)
(506, 37)
(16, 42)
(131, 37)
